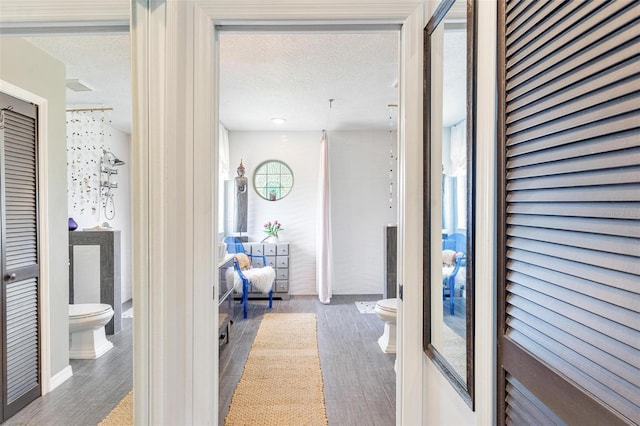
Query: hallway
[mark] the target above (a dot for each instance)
(359, 380)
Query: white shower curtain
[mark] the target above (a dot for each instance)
(324, 264)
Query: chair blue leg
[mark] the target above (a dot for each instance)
(245, 298)
(270, 299)
(452, 288)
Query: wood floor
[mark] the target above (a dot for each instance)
(91, 393)
(359, 379)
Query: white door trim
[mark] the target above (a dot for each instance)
(178, 40)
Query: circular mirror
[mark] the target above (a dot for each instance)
(273, 180)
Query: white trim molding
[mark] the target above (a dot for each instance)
(59, 378)
(176, 86)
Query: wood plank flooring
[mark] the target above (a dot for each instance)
(359, 379)
(91, 393)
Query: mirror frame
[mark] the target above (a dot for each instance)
(464, 387)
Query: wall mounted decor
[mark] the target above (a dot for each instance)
(273, 180)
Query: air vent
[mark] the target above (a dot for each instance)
(78, 85)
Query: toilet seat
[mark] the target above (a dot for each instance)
(388, 305)
(88, 310)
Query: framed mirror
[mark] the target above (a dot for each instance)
(449, 108)
(273, 180)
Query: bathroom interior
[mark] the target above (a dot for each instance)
(361, 124)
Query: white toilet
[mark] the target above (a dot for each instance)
(386, 309)
(87, 339)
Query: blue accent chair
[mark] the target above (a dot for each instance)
(235, 246)
(458, 243)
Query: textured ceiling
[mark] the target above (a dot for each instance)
(293, 76)
(265, 75)
(101, 61)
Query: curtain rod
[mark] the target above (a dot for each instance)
(90, 109)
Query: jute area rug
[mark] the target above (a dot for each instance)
(282, 380)
(122, 414)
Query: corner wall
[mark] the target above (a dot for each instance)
(27, 67)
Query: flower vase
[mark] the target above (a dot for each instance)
(271, 239)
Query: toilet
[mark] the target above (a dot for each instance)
(386, 311)
(87, 339)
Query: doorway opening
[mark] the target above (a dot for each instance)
(344, 82)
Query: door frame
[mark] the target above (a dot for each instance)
(177, 39)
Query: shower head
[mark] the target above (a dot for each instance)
(110, 158)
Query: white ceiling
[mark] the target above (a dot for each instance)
(293, 76)
(262, 76)
(103, 62)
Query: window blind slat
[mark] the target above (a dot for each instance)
(600, 145)
(610, 277)
(519, 145)
(580, 257)
(610, 244)
(627, 175)
(550, 51)
(613, 210)
(620, 228)
(583, 95)
(603, 341)
(619, 106)
(604, 361)
(601, 193)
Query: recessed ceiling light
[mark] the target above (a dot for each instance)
(278, 120)
(78, 85)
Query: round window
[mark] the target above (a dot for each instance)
(273, 180)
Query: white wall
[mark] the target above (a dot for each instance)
(27, 67)
(297, 211)
(359, 197)
(360, 164)
(89, 212)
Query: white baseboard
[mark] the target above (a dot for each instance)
(60, 378)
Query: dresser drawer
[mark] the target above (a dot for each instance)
(283, 249)
(282, 286)
(257, 262)
(257, 248)
(282, 274)
(270, 249)
(282, 261)
(271, 261)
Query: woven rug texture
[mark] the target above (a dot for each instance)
(122, 414)
(282, 380)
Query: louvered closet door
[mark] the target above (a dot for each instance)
(18, 185)
(569, 277)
